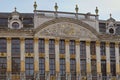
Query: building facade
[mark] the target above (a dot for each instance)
(54, 45)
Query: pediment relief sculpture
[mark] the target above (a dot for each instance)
(65, 29)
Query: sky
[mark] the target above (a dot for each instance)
(26, 6)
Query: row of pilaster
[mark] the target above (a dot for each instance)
(67, 58)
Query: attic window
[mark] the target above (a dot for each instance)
(111, 31)
(15, 25)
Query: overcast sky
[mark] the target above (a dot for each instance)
(105, 6)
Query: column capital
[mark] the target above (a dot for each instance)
(36, 39)
(8, 38)
(46, 39)
(22, 38)
(67, 41)
(97, 43)
(87, 43)
(77, 42)
(116, 44)
(56, 41)
(107, 43)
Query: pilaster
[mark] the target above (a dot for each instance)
(108, 60)
(57, 59)
(22, 47)
(78, 59)
(67, 58)
(9, 59)
(117, 60)
(47, 74)
(98, 58)
(36, 59)
(88, 59)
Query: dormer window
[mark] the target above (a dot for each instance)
(111, 31)
(15, 22)
(15, 25)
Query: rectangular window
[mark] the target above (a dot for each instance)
(3, 45)
(42, 66)
(73, 69)
(102, 27)
(41, 46)
(29, 46)
(52, 66)
(102, 48)
(51, 46)
(83, 67)
(82, 49)
(103, 68)
(94, 69)
(62, 47)
(113, 67)
(3, 68)
(92, 48)
(15, 46)
(29, 68)
(15, 65)
(72, 47)
(62, 67)
(112, 49)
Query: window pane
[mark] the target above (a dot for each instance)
(3, 45)
(72, 47)
(62, 47)
(41, 46)
(51, 46)
(29, 45)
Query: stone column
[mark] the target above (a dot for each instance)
(9, 76)
(117, 61)
(67, 59)
(47, 73)
(36, 59)
(78, 60)
(57, 59)
(88, 59)
(108, 60)
(22, 49)
(98, 58)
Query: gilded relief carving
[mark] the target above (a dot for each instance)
(65, 29)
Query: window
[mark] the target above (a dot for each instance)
(94, 69)
(72, 47)
(62, 47)
(103, 69)
(73, 69)
(42, 66)
(15, 65)
(102, 27)
(51, 46)
(92, 48)
(29, 46)
(3, 68)
(15, 46)
(113, 67)
(82, 49)
(112, 49)
(41, 46)
(15, 25)
(62, 67)
(3, 45)
(83, 67)
(29, 68)
(52, 66)
(111, 30)
(102, 49)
